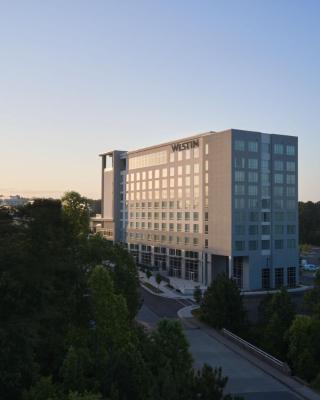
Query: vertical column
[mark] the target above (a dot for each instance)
(230, 266)
(183, 265)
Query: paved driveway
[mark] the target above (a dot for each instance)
(245, 378)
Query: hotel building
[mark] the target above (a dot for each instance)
(217, 202)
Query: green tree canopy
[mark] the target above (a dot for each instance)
(222, 305)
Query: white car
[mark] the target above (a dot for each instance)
(310, 267)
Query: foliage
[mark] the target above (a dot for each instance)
(76, 207)
(148, 273)
(68, 302)
(197, 294)
(222, 305)
(158, 279)
(209, 384)
(277, 314)
(304, 346)
(309, 223)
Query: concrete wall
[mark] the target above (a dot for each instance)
(220, 202)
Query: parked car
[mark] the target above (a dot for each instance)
(310, 267)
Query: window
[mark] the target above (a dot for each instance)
(291, 243)
(187, 169)
(196, 152)
(278, 178)
(265, 203)
(253, 163)
(206, 149)
(279, 216)
(206, 229)
(239, 162)
(291, 204)
(265, 179)
(171, 227)
(291, 229)
(278, 244)
(253, 245)
(291, 191)
(278, 148)
(291, 277)
(278, 278)
(265, 229)
(240, 216)
(265, 165)
(239, 176)
(265, 191)
(196, 168)
(290, 149)
(291, 166)
(265, 216)
(265, 278)
(240, 245)
(253, 202)
(252, 177)
(278, 191)
(253, 190)
(253, 229)
(254, 216)
(278, 204)
(265, 244)
(253, 146)
(278, 165)
(240, 229)
(239, 203)
(196, 216)
(172, 157)
(195, 228)
(239, 189)
(239, 145)
(291, 216)
(291, 179)
(278, 229)
(206, 216)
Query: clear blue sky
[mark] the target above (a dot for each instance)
(80, 77)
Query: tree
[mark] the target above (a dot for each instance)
(222, 305)
(197, 294)
(209, 384)
(304, 346)
(170, 361)
(278, 314)
(158, 279)
(149, 274)
(76, 207)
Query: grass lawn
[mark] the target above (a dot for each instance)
(151, 287)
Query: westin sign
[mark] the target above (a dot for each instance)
(185, 145)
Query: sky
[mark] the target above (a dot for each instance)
(78, 78)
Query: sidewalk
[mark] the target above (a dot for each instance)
(166, 291)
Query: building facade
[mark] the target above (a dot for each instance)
(218, 202)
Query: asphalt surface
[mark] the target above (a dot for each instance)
(244, 378)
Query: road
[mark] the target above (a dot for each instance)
(245, 378)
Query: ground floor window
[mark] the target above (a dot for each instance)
(291, 277)
(238, 271)
(265, 278)
(278, 278)
(192, 268)
(175, 267)
(160, 261)
(146, 259)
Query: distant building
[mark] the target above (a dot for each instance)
(212, 203)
